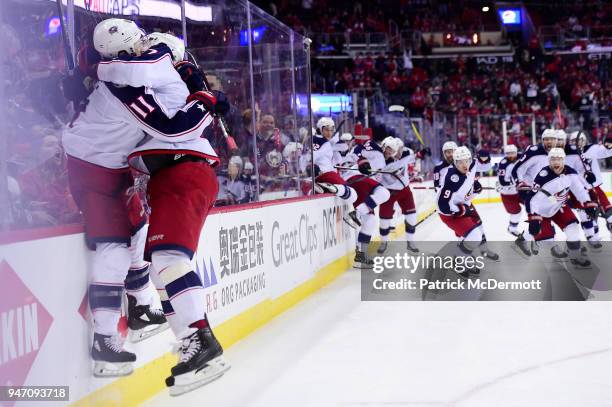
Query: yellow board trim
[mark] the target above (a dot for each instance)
(147, 381)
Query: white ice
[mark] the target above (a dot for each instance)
(334, 350)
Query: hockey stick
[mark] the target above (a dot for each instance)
(483, 188)
(67, 49)
(229, 140)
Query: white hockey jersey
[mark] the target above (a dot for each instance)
(323, 153)
(530, 163)
(591, 155)
(440, 170)
(369, 151)
(551, 190)
(399, 167)
(154, 71)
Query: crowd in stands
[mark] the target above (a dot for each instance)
(460, 93)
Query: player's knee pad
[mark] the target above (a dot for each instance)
(410, 218)
(380, 194)
(111, 262)
(515, 218)
(385, 226)
(368, 224)
(572, 232)
(475, 235)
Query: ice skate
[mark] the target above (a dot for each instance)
(352, 220)
(411, 247)
(200, 362)
(326, 187)
(594, 244)
(578, 259)
(362, 261)
(558, 252)
(110, 359)
(535, 248)
(522, 247)
(144, 321)
(382, 248)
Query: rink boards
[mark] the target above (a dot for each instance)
(255, 261)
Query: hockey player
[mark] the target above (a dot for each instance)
(398, 158)
(328, 179)
(507, 189)
(549, 204)
(123, 113)
(591, 172)
(439, 172)
(250, 183)
(366, 159)
(531, 162)
(574, 160)
(181, 175)
(454, 204)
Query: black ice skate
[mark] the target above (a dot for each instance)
(382, 248)
(326, 187)
(362, 261)
(522, 247)
(143, 320)
(578, 259)
(200, 362)
(558, 252)
(110, 359)
(594, 244)
(411, 247)
(352, 220)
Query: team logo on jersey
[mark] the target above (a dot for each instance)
(534, 148)
(454, 178)
(543, 173)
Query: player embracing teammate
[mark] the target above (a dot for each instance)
(141, 107)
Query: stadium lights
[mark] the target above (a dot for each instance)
(485, 9)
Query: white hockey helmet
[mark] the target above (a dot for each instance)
(325, 122)
(556, 152)
(390, 142)
(176, 45)
(510, 149)
(449, 145)
(561, 135)
(116, 35)
(291, 149)
(462, 153)
(248, 166)
(549, 133)
(573, 136)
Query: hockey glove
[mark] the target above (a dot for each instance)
(191, 75)
(483, 156)
(365, 168)
(590, 177)
(462, 211)
(214, 101)
(477, 187)
(535, 224)
(591, 209)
